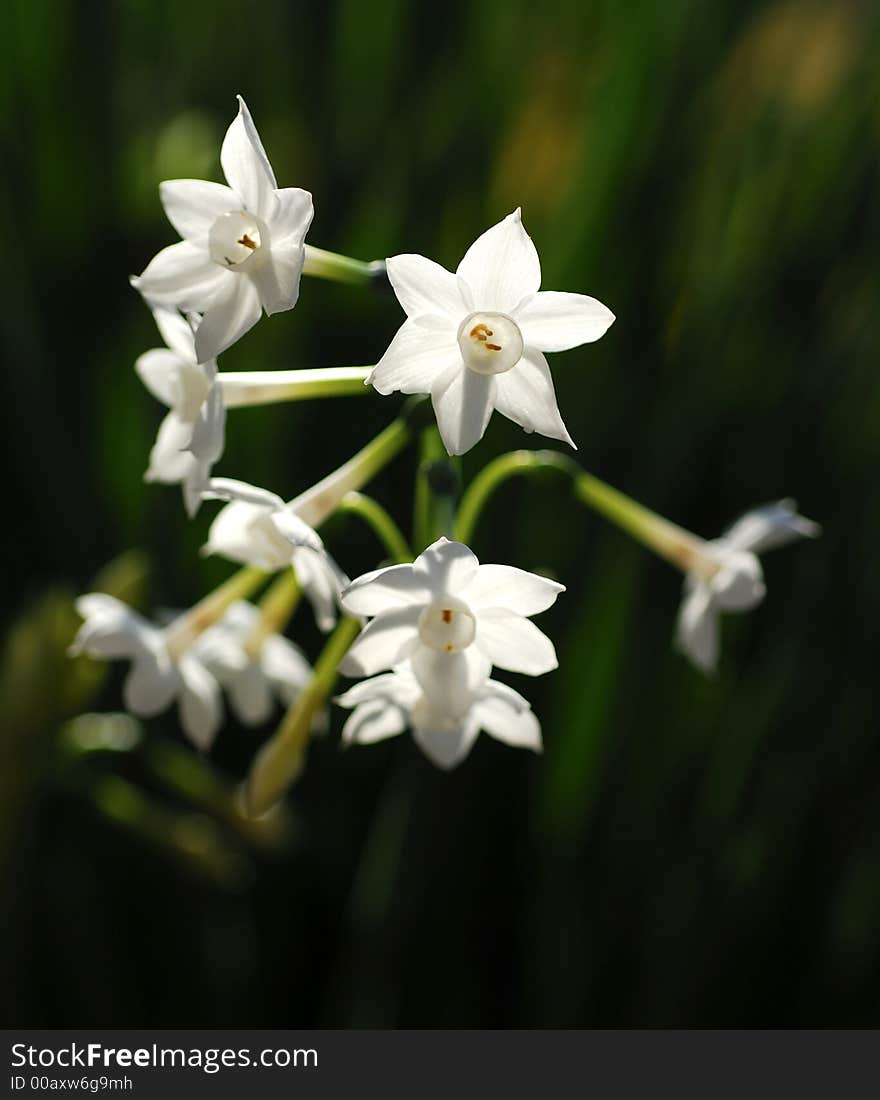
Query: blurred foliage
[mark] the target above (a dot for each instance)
(687, 851)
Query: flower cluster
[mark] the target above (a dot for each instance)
(425, 633)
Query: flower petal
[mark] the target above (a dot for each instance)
(170, 459)
(192, 207)
(249, 695)
(201, 706)
(555, 321)
(159, 370)
(526, 396)
(382, 643)
(415, 358)
(321, 580)
(512, 588)
(395, 586)
(245, 533)
(176, 331)
(233, 313)
(277, 281)
(182, 276)
(291, 219)
(424, 288)
(246, 166)
(697, 633)
(373, 721)
(450, 680)
(286, 667)
(446, 567)
(150, 685)
(769, 527)
(518, 728)
(463, 402)
(398, 687)
(739, 585)
(447, 747)
(514, 643)
(501, 267)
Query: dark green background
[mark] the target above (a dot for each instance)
(687, 851)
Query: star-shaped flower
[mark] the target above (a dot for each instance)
(253, 668)
(191, 437)
(386, 705)
(242, 248)
(112, 631)
(475, 340)
(725, 575)
(258, 528)
(453, 618)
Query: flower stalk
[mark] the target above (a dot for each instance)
(268, 387)
(341, 269)
(386, 530)
(184, 630)
(436, 490)
(281, 759)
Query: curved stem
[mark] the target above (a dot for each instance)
(183, 631)
(266, 387)
(280, 761)
(342, 269)
(387, 531)
(495, 474)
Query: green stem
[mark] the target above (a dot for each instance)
(436, 491)
(276, 608)
(387, 531)
(341, 269)
(183, 631)
(319, 502)
(271, 386)
(281, 759)
(494, 475)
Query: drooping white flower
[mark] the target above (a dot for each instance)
(453, 619)
(253, 668)
(258, 528)
(475, 340)
(386, 705)
(242, 248)
(112, 631)
(191, 437)
(725, 575)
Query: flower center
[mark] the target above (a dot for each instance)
(238, 241)
(447, 625)
(490, 343)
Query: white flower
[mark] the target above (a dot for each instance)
(242, 247)
(251, 667)
(259, 529)
(191, 437)
(475, 340)
(726, 575)
(453, 618)
(386, 705)
(112, 631)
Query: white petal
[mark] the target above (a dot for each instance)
(151, 685)
(182, 276)
(321, 580)
(506, 586)
(501, 267)
(192, 207)
(194, 486)
(373, 721)
(159, 370)
(250, 696)
(246, 166)
(697, 628)
(170, 460)
(526, 396)
(291, 219)
(209, 428)
(201, 706)
(739, 585)
(425, 288)
(554, 321)
(518, 728)
(384, 642)
(415, 358)
(514, 643)
(463, 402)
(395, 586)
(769, 527)
(401, 689)
(296, 530)
(277, 281)
(446, 567)
(230, 488)
(450, 680)
(245, 533)
(231, 314)
(286, 667)
(446, 748)
(176, 331)
(111, 629)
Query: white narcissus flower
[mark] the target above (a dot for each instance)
(242, 248)
(253, 675)
(453, 619)
(112, 631)
(257, 528)
(191, 437)
(475, 340)
(727, 576)
(386, 705)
